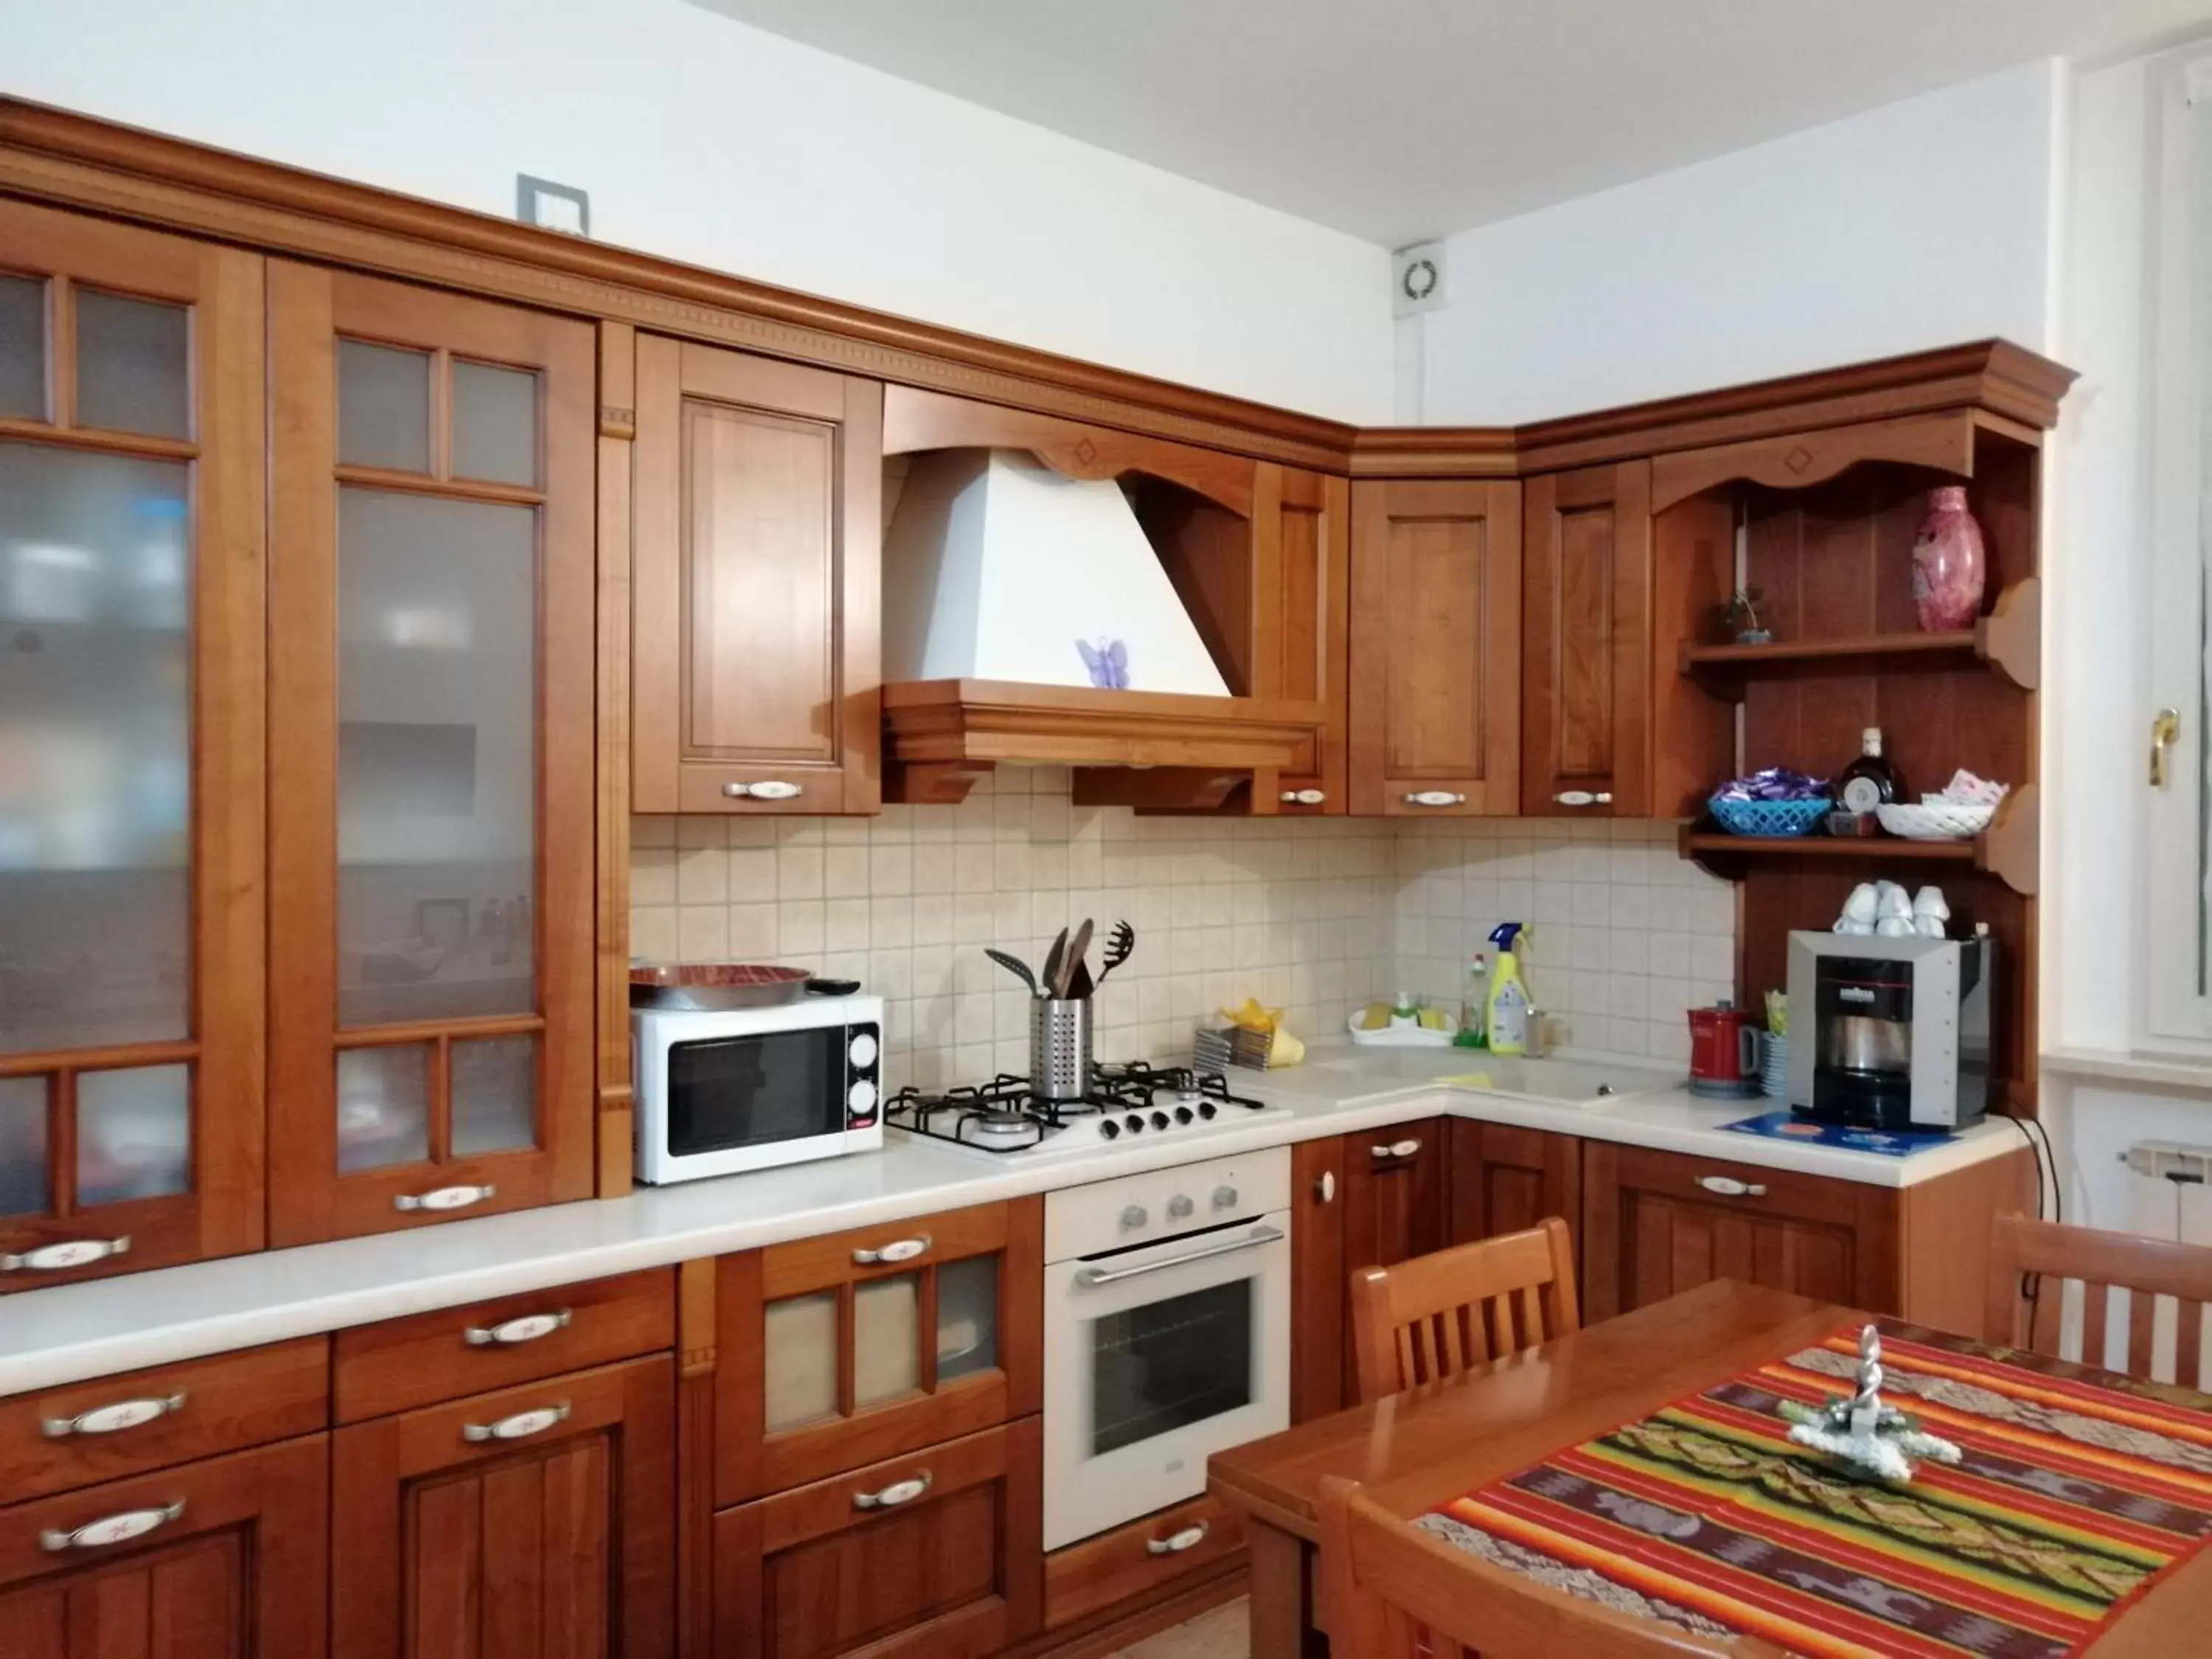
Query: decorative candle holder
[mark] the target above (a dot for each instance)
(1863, 1432)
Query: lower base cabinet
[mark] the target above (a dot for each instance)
(534, 1522)
(939, 1554)
(1139, 1558)
(219, 1560)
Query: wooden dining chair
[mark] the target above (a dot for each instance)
(1436, 1316)
(2046, 1256)
(1391, 1590)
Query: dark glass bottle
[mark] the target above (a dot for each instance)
(1870, 780)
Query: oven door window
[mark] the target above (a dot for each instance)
(733, 1092)
(1168, 1364)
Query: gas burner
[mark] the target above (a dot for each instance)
(1129, 1100)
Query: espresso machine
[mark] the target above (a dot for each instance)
(1890, 1033)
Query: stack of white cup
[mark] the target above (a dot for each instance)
(1883, 909)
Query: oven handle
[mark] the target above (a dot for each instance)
(1087, 1277)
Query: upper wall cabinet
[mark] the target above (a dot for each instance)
(430, 713)
(131, 748)
(1436, 648)
(758, 527)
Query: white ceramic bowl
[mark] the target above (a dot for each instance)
(1935, 820)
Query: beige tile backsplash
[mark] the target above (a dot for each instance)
(1313, 916)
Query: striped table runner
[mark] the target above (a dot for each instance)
(2078, 1490)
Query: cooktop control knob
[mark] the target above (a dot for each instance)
(1182, 1114)
(1133, 1218)
(1159, 1120)
(1107, 1128)
(1134, 1122)
(1225, 1198)
(1179, 1207)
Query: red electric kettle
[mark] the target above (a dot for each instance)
(1724, 1045)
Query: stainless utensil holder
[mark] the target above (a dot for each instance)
(1059, 1047)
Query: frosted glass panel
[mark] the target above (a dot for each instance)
(95, 768)
(495, 1095)
(23, 348)
(799, 1352)
(494, 423)
(23, 1146)
(134, 1133)
(384, 407)
(437, 757)
(886, 1356)
(133, 365)
(384, 1106)
(967, 1317)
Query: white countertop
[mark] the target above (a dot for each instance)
(72, 1332)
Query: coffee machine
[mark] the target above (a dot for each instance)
(1890, 1033)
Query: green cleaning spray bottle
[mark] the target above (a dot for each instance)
(1509, 993)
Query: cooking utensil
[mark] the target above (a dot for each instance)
(1017, 967)
(715, 985)
(1077, 948)
(1053, 958)
(1119, 944)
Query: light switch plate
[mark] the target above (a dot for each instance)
(1417, 279)
(550, 206)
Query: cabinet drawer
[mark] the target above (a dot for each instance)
(61, 1438)
(1750, 1187)
(1140, 1556)
(427, 1357)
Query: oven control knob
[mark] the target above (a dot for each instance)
(1134, 1122)
(861, 1097)
(1179, 1207)
(1107, 1128)
(1225, 1198)
(1205, 1108)
(862, 1053)
(1134, 1216)
(1159, 1120)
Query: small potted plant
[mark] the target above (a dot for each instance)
(1739, 617)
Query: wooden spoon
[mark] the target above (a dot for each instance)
(1076, 949)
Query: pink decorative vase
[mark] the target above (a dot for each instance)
(1948, 566)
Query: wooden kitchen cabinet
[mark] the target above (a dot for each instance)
(538, 1519)
(937, 1553)
(1436, 648)
(1301, 555)
(431, 684)
(226, 1558)
(756, 679)
(1504, 1180)
(132, 793)
(1318, 1327)
(1395, 1182)
(841, 1351)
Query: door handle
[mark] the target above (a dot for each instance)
(1324, 1188)
(69, 1253)
(528, 1329)
(899, 1250)
(1434, 798)
(1583, 798)
(1303, 797)
(114, 1418)
(1176, 1543)
(766, 789)
(1087, 1278)
(521, 1426)
(2164, 732)
(890, 1496)
(1404, 1148)
(1729, 1187)
(445, 1198)
(109, 1530)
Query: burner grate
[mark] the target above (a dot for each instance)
(978, 1115)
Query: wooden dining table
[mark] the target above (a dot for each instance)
(1415, 1450)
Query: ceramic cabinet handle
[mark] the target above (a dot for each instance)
(521, 1426)
(898, 1492)
(109, 1530)
(112, 1420)
(1435, 797)
(528, 1329)
(69, 1253)
(1404, 1148)
(766, 789)
(444, 1198)
(899, 1250)
(1324, 1188)
(1583, 798)
(1729, 1187)
(1176, 1543)
(1303, 796)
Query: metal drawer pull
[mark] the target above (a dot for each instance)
(1729, 1187)
(528, 1329)
(1404, 1148)
(899, 1250)
(1583, 798)
(767, 789)
(521, 1426)
(1303, 796)
(445, 1198)
(1087, 1278)
(69, 1253)
(1189, 1538)
(1435, 797)
(112, 1419)
(898, 1492)
(109, 1530)
(1324, 1188)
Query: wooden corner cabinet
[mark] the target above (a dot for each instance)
(430, 697)
(755, 586)
(1436, 648)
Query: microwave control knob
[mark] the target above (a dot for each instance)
(1179, 1207)
(862, 1053)
(860, 1098)
(1225, 1198)
(1134, 1216)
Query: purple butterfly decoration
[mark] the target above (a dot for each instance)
(1108, 663)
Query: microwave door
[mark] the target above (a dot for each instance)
(739, 1094)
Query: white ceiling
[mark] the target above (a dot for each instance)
(1397, 119)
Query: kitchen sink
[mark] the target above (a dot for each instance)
(1575, 1082)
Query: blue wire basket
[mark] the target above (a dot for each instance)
(1770, 817)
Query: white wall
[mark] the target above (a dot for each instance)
(1921, 224)
(705, 140)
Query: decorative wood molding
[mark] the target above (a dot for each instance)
(2011, 849)
(1943, 443)
(617, 373)
(2010, 638)
(1155, 789)
(1435, 451)
(695, 1342)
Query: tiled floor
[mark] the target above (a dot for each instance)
(1224, 1633)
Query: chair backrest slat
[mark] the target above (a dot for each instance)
(1435, 1316)
(2049, 1256)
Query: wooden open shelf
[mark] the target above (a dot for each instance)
(2008, 849)
(2008, 639)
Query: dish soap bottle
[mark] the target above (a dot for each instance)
(1470, 1005)
(1508, 1004)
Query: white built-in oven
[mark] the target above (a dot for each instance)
(1167, 1333)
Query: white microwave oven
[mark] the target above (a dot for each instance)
(724, 1091)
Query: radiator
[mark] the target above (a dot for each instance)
(2170, 1197)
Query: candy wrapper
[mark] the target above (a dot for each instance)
(1773, 783)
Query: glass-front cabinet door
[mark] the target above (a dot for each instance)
(131, 748)
(431, 741)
